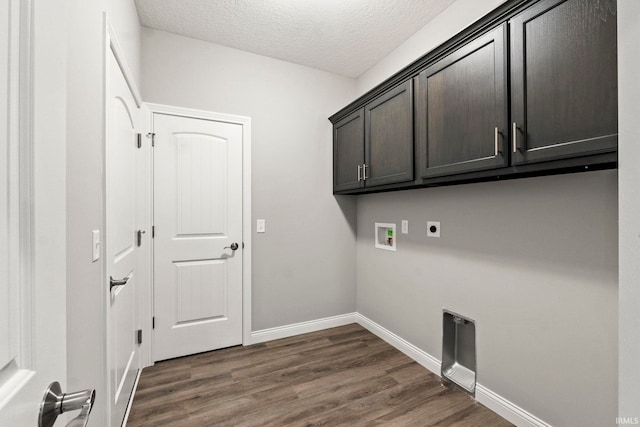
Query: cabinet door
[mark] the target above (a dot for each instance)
(462, 109)
(348, 152)
(389, 137)
(563, 80)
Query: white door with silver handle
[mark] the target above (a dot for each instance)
(198, 235)
(33, 259)
(125, 160)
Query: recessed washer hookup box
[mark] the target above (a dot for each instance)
(459, 350)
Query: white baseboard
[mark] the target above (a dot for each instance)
(422, 357)
(507, 409)
(486, 397)
(133, 394)
(302, 328)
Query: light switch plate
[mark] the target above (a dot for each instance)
(405, 226)
(433, 228)
(261, 226)
(96, 245)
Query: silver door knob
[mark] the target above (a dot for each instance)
(233, 247)
(55, 403)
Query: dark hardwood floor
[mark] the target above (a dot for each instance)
(344, 376)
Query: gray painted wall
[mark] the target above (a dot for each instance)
(533, 261)
(303, 266)
(48, 195)
(629, 206)
(452, 20)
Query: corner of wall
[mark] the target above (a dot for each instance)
(452, 20)
(628, 210)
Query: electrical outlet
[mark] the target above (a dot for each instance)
(261, 226)
(433, 228)
(405, 226)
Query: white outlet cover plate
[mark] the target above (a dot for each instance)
(405, 226)
(261, 226)
(96, 243)
(433, 233)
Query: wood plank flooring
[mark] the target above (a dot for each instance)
(343, 376)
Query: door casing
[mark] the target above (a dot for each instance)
(245, 122)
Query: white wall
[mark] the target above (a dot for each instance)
(85, 288)
(629, 207)
(303, 266)
(533, 261)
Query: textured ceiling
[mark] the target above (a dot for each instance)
(345, 37)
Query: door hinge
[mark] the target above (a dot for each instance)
(153, 138)
(153, 322)
(139, 234)
(139, 334)
(139, 136)
(153, 231)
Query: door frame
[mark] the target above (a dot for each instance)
(245, 122)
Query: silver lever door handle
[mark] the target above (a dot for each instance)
(233, 247)
(113, 282)
(55, 403)
(86, 404)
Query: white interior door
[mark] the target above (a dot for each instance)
(198, 222)
(123, 210)
(32, 215)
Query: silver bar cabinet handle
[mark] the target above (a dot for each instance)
(497, 145)
(515, 137)
(359, 173)
(364, 172)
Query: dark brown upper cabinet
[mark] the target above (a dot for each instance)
(348, 152)
(389, 137)
(461, 109)
(530, 89)
(373, 146)
(563, 80)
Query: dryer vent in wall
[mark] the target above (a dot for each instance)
(459, 350)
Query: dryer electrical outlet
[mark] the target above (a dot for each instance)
(433, 228)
